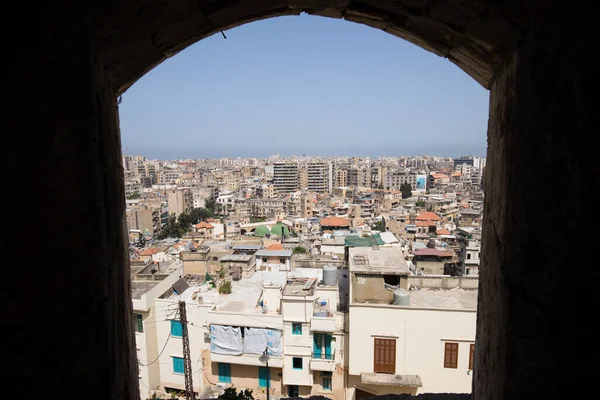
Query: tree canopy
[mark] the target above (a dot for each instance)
(406, 190)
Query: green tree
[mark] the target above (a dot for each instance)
(379, 225)
(420, 203)
(231, 394)
(171, 229)
(225, 287)
(210, 204)
(200, 214)
(299, 250)
(406, 190)
(134, 195)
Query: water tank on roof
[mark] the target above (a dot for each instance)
(330, 275)
(400, 297)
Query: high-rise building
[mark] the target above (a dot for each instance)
(318, 176)
(180, 200)
(286, 177)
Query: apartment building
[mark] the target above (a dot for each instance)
(394, 179)
(400, 341)
(286, 177)
(469, 239)
(148, 282)
(180, 200)
(319, 176)
(290, 316)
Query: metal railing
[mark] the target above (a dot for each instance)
(322, 356)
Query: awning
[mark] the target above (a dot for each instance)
(373, 378)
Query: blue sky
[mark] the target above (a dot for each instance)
(304, 84)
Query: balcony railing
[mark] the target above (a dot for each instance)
(322, 356)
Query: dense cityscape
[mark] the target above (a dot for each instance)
(344, 277)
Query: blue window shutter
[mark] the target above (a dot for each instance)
(317, 345)
(263, 376)
(224, 373)
(327, 346)
(176, 328)
(178, 365)
(297, 329)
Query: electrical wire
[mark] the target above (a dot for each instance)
(159, 354)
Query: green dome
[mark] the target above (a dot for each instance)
(277, 229)
(261, 231)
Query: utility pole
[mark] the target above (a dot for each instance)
(187, 362)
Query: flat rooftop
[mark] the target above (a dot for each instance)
(139, 288)
(458, 299)
(143, 279)
(377, 260)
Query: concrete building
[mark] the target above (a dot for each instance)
(422, 344)
(180, 200)
(469, 239)
(319, 176)
(148, 282)
(285, 177)
(273, 260)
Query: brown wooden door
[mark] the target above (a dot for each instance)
(385, 356)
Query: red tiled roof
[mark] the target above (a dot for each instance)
(426, 223)
(204, 225)
(276, 246)
(442, 232)
(335, 221)
(432, 252)
(149, 251)
(428, 216)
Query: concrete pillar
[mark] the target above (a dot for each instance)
(533, 340)
(69, 286)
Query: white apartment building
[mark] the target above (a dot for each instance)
(292, 315)
(400, 341)
(146, 287)
(469, 240)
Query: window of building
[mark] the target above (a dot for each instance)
(264, 259)
(138, 322)
(471, 355)
(297, 329)
(263, 376)
(293, 391)
(326, 380)
(468, 256)
(451, 355)
(393, 280)
(178, 365)
(384, 358)
(224, 372)
(215, 258)
(176, 329)
(282, 260)
(297, 362)
(322, 346)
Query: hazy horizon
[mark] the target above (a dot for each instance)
(304, 84)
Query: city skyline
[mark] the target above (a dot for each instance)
(304, 84)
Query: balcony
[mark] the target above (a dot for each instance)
(322, 362)
(325, 323)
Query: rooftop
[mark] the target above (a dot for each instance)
(236, 258)
(377, 260)
(441, 298)
(273, 253)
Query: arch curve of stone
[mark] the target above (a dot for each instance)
(474, 34)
